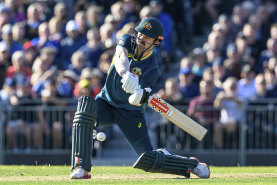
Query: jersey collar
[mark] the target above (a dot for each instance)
(141, 58)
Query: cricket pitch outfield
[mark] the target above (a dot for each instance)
(127, 175)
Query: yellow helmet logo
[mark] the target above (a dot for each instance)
(147, 25)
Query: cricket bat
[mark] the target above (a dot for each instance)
(177, 117)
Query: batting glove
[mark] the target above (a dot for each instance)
(139, 97)
(130, 82)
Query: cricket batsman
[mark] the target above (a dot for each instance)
(133, 72)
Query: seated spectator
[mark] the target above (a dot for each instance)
(44, 39)
(4, 61)
(70, 44)
(95, 81)
(54, 119)
(5, 15)
(9, 89)
(230, 114)
(186, 62)
(24, 120)
(30, 53)
(105, 63)
(77, 62)
(107, 35)
(246, 85)
(272, 63)
(7, 37)
(188, 88)
(201, 109)
(233, 62)
(145, 12)
(93, 49)
(271, 51)
(55, 29)
(271, 83)
(208, 75)
(81, 21)
(18, 70)
(67, 83)
(199, 63)
(220, 73)
(157, 12)
(171, 92)
(18, 33)
(33, 21)
(260, 87)
(95, 16)
(120, 15)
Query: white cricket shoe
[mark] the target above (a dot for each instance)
(202, 170)
(80, 173)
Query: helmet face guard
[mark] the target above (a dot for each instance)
(151, 27)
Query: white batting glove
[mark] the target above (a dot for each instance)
(139, 97)
(130, 82)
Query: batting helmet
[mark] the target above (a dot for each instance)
(151, 27)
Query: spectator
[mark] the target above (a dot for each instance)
(93, 49)
(85, 75)
(230, 114)
(166, 20)
(118, 12)
(17, 10)
(30, 53)
(44, 39)
(95, 16)
(187, 86)
(145, 12)
(67, 83)
(220, 73)
(33, 21)
(201, 109)
(233, 62)
(7, 37)
(271, 82)
(54, 119)
(107, 34)
(246, 86)
(60, 13)
(260, 87)
(55, 29)
(23, 120)
(81, 21)
(171, 92)
(70, 44)
(199, 63)
(9, 89)
(95, 81)
(18, 33)
(131, 9)
(208, 75)
(77, 62)
(18, 70)
(105, 63)
(4, 15)
(186, 62)
(4, 61)
(265, 55)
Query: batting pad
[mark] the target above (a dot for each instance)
(159, 162)
(83, 122)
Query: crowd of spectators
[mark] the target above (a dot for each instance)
(235, 67)
(52, 51)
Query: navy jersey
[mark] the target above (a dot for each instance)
(147, 69)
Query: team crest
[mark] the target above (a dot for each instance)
(147, 25)
(137, 71)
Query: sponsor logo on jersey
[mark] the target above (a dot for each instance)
(136, 71)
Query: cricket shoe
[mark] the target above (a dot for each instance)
(80, 173)
(202, 170)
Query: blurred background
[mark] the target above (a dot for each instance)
(218, 65)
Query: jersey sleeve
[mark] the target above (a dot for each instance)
(126, 42)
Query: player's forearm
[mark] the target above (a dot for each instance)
(121, 61)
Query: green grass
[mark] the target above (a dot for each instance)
(127, 175)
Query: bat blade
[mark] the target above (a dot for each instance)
(177, 117)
